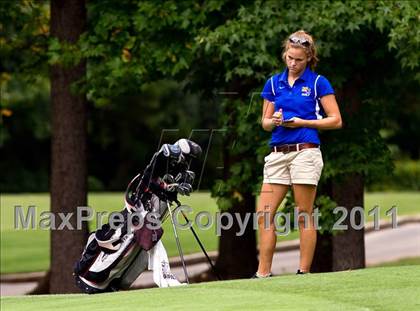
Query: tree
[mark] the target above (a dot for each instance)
(68, 160)
(26, 24)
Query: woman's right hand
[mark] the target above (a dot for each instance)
(277, 118)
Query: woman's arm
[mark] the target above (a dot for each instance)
(332, 121)
(269, 120)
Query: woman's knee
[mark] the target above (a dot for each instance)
(265, 221)
(305, 218)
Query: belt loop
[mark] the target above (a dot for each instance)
(275, 148)
(297, 147)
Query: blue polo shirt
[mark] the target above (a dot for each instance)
(302, 100)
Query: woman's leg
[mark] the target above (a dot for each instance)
(304, 198)
(270, 199)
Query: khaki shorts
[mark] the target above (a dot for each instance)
(296, 167)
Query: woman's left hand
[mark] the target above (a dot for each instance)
(297, 122)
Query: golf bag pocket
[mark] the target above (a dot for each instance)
(105, 263)
(89, 255)
(147, 236)
(109, 240)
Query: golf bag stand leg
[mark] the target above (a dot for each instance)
(201, 246)
(177, 243)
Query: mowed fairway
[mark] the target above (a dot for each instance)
(392, 288)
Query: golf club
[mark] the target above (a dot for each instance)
(181, 255)
(200, 244)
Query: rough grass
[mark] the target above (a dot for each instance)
(391, 288)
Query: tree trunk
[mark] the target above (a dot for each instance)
(323, 257)
(238, 254)
(346, 250)
(68, 167)
(348, 247)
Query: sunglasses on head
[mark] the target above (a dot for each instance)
(301, 41)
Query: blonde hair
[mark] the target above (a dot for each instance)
(309, 48)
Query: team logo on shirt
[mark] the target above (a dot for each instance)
(306, 91)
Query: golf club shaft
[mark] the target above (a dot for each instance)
(178, 244)
(202, 248)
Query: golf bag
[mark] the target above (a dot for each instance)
(116, 254)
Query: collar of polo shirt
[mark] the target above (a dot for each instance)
(305, 75)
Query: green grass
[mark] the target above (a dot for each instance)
(407, 203)
(403, 262)
(392, 288)
(28, 250)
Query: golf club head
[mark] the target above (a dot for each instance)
(189, 148)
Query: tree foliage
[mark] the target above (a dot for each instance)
(216, 47)
(24, 37)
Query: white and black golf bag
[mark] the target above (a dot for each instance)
(117, 253)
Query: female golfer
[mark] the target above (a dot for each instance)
(293, 103)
